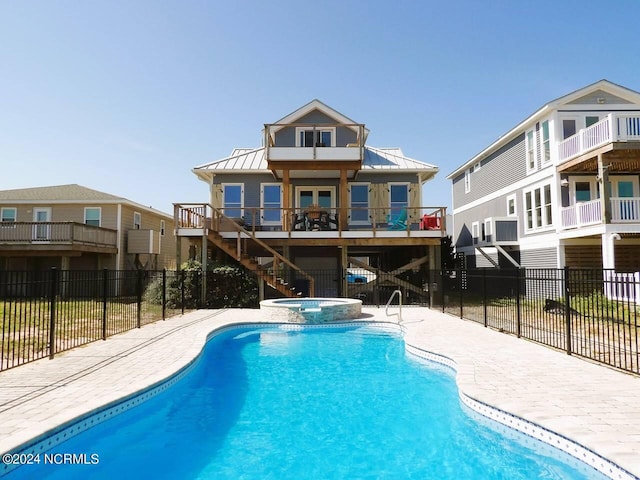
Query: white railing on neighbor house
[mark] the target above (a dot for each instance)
(615, 127)
(623, 287)
(623, 210)
(582, 214)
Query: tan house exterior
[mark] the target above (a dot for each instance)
(72, 227)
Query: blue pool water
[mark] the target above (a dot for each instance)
(324, 403)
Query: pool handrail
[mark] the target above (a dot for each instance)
(386, 310)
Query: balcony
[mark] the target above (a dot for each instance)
(623, 211)
(303, 142)
(615, 127)
(56, 236)
(312, 222)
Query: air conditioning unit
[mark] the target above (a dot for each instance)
(143, 241)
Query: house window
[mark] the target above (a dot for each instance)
(568, 128)
(538, 207)
(467, 181)
(162, 228)
(475, 232)
(359, 202)
(8, 214)
(546, 143)
(271, 199)
(137, 220)
(399, 197)
(232, 199)
(531, 151)
(319, 137)
(583, 192)
(477, 166)
(591, 120)
(92, 216)
(511, 205)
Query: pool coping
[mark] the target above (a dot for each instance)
(214, 323)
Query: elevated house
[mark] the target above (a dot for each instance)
(72, 227)
(561, 188)
(316, 198)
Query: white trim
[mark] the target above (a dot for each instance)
(467, 180)
(487, 228)
(406, 184)
(544, 161)
(120, 235)
(262, 220)
(99, 214)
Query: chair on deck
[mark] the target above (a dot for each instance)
(397, 222)
(430, 222)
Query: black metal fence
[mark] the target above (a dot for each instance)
(589, 313)
(47, 312)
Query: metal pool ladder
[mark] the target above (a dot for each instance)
(399, 314)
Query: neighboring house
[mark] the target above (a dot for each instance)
(76, 228)
(316, 197)
(559, 189)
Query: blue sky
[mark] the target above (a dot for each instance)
(126, 96)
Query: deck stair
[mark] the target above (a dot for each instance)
(238, 246)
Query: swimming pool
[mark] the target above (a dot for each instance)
(293, 402)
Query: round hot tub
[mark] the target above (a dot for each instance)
(311, 310)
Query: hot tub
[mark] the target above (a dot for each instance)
(311, 310)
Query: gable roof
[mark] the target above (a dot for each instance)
(71, 193)
(246, 160)
(631, 96)
(316, 104)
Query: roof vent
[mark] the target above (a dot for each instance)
(601, 100)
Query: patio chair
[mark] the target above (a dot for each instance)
(397, 222)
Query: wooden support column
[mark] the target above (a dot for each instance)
(344, 200)
(605, 190)
(287, 213)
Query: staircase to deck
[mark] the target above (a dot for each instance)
(272, 274)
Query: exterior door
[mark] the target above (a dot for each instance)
(322, 196)
(41, 232)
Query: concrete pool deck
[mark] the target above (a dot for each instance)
(592, 405)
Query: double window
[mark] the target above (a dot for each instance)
(315, 137)
(538, 208)
(92, 216)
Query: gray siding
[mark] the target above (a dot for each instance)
(492, 208)
(286, 137)
(502, 168)
(542, 258)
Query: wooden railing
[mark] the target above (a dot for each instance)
(409, 219)
(56, 232)
(615, 127)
